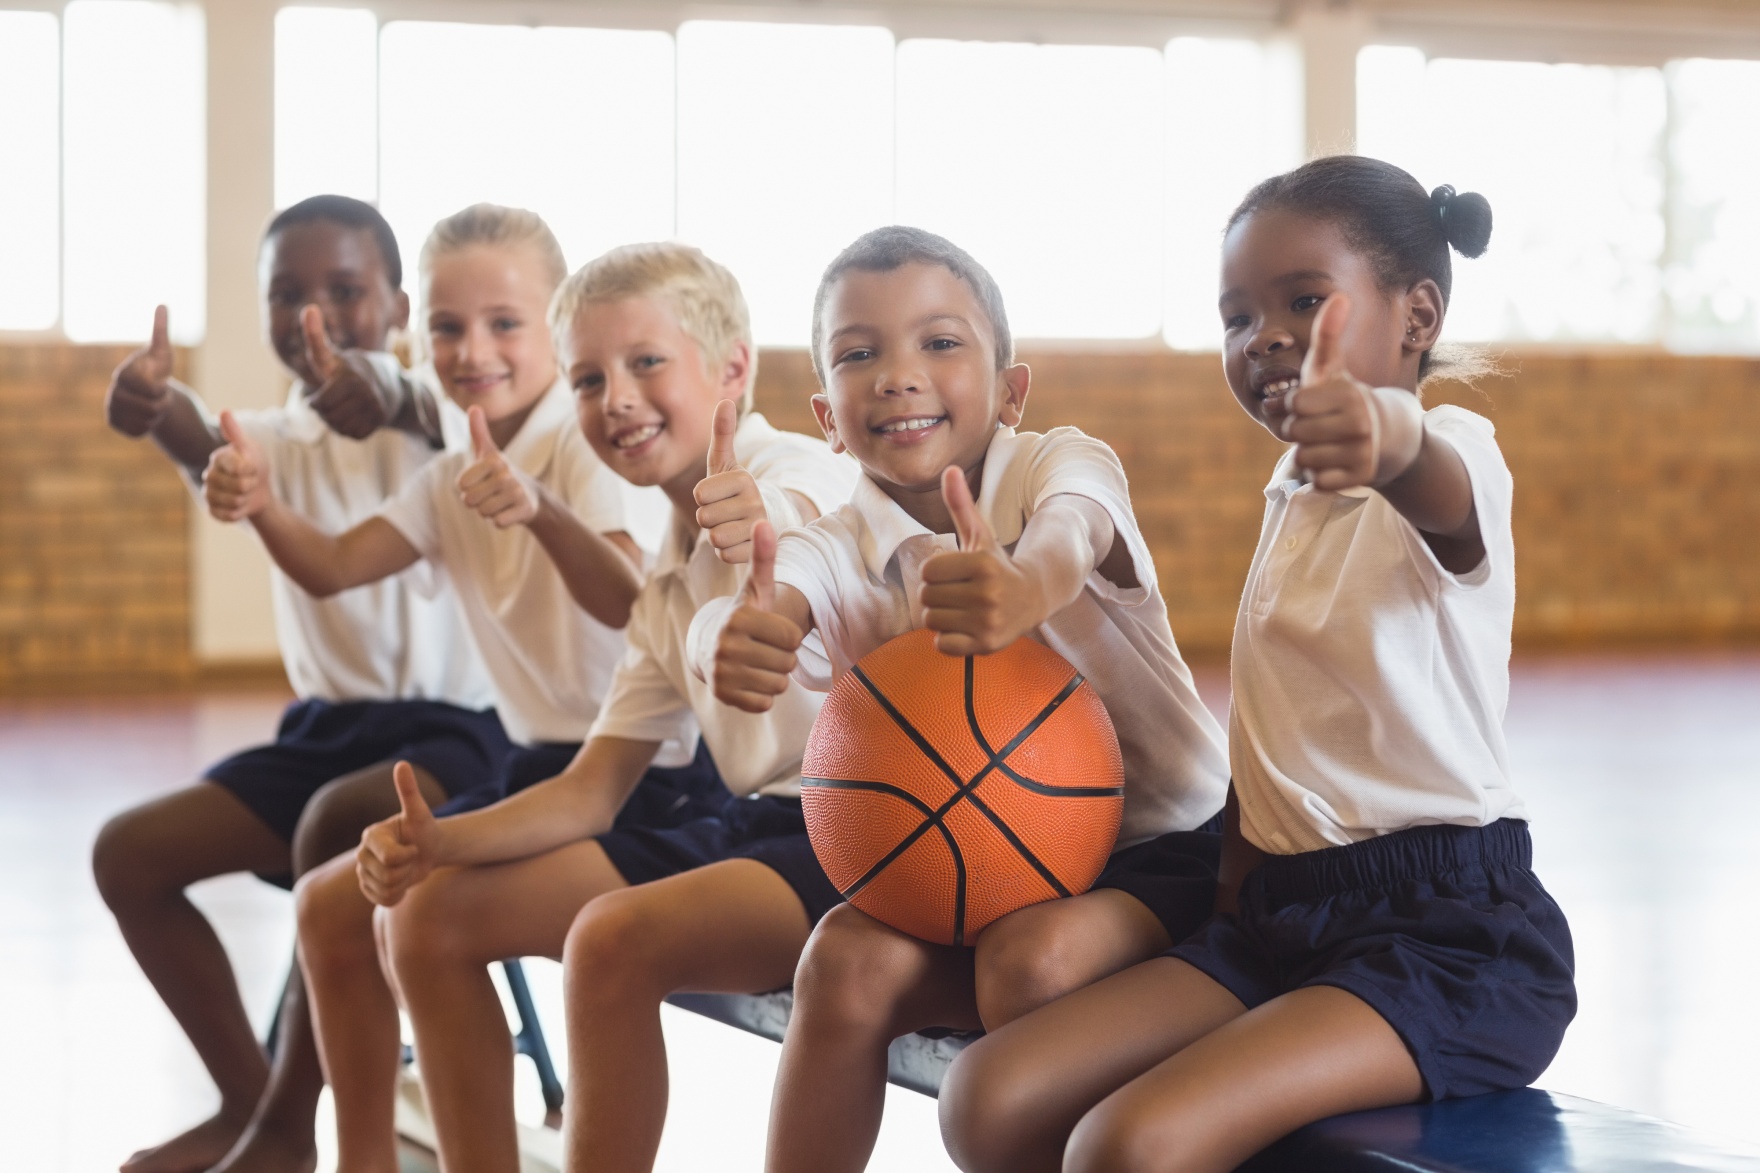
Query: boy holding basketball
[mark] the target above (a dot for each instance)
(911, 343)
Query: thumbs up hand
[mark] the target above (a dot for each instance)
(236, 485)
(1340, 425)
(728, 502)
(494, 488)
(140, 390)
(977, 600)
(397, 853)
(756, 651)
(349, 394)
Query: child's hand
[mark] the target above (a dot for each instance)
(728, 501)
(397, 853)
(1341, 426)
(140, 390)
(977, 600)
(236, 485)
(350, 397)
(491, 486)
(755, 654)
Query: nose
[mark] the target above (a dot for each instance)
(473, 342)
(1270, 339)
(900, 379)
(621, 393)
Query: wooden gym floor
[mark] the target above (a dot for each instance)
(1642, 775)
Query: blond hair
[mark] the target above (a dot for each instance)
(494, 224)
(702, 295)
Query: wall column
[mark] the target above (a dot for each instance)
(229, 575)
(1328, 35)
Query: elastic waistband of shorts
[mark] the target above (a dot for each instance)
(1412, 854)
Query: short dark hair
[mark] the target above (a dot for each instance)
(885, 249)
(1385, 214)
(350, 213)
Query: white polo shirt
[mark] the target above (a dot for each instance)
(860, 569)
(550, 661)
(655, 696)
(1369, 682)
(398, 639)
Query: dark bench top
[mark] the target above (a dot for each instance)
(1527, 1131)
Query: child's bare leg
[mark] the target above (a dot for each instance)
(1044, 951)
(1010, 1101)
(440, 943)
(279, 1138)
(1312, 1053)
(354, 1016)
(143, 860)
(731, 927)
(860, 985)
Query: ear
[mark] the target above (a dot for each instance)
(827, 421)
(1422, 318)
(400, 311)
(1014, 395)
(735, 371)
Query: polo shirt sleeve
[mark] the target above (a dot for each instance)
(1474, 439)
(795, 464)
(591, 491)
(415, 511)
(1069, 461)
(643, 702)
(805, 560)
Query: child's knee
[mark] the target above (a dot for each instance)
(613, 949)
(852, 972)
(1123, 1135)
(125, 866)
(984, 1098)
(422, 930)
(330, 825)
(333, 918)
(1019, 968)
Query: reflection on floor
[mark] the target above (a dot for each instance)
(1642, 776)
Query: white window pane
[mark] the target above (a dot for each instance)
(30, 197)
(575, 124)
(784, 155)
(1713, 278)
(326, 138)
(1043, 162)
(1234, 117)
(1570, 157)
(135, 142)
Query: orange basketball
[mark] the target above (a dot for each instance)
(941, 793)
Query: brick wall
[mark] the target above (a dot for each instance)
(94, 533)
(1637, 499)
(1637, 513)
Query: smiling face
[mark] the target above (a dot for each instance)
(487, 331)
(911, 385)
(339, 269)
(644, 392)
(1277, 268)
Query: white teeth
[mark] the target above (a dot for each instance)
(640, 436)
(915, 425)
(1281, 386)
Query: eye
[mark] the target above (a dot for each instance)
(343, 294)
(648, 362)
(853, 354)
(1306, 302)
(504, 325)
(589, 386)
(1235, 322)
(943, 343)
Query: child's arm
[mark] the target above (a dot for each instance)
(757, 633)
(356, 397)
(144, 400)
(981, 599)
(599, 569)
(398, 853)
(237, 487)
(1349, 434)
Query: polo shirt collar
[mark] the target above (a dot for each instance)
(886, 526)
(1286, 482)
(304, 425)
(534, 445)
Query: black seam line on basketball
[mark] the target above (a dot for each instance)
(929, 820)
(1007, 832)
(1045, 873)
(1026, 783)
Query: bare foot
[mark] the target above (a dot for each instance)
(194, 1151)
(265, 1149)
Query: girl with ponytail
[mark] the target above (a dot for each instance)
(1379, 936)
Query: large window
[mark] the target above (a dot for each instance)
(102, 207)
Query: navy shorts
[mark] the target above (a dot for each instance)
(1173, 875)
(1444, 931)
(768, 829)
(666, 796)
(320, 741)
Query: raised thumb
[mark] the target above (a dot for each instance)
(409, 797)
(974, 532)
(235, 433)
(160, 345)
(761, 582)
(482, 443)
(723, 425)
(1325, 357)
(319, 353)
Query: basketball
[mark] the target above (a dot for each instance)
(941, 793)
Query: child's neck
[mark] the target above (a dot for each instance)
(503, 430)
(681, 490)
(925, 504)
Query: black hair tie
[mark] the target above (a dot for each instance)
(1441, 199)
